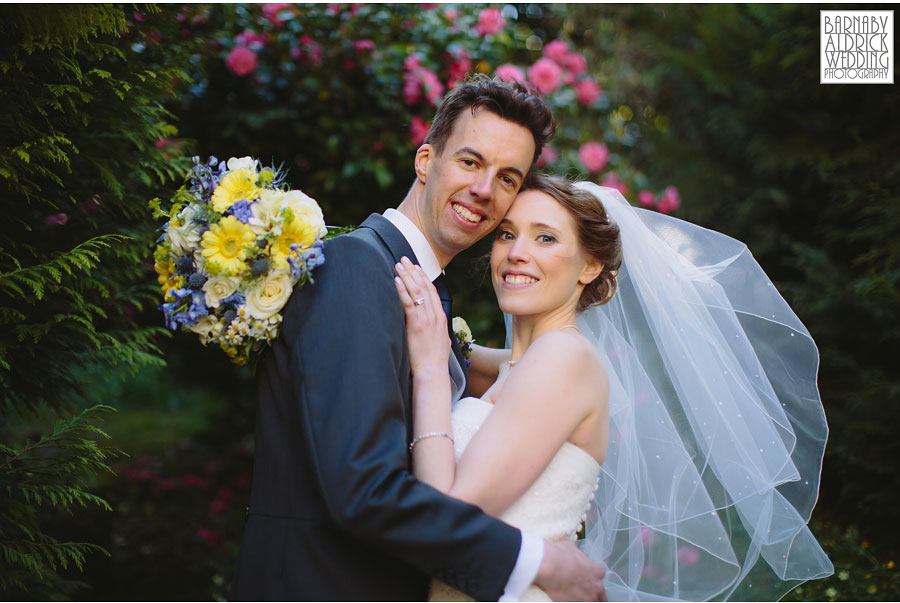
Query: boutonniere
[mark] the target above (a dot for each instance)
(464, 335)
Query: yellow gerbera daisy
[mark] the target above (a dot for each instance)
(164, 267)
(295, 232)
(225, 246)
(237, 185)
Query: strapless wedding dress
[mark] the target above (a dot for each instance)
(552, 508)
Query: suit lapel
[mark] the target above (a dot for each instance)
(397, 246)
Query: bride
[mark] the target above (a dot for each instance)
(658, 393)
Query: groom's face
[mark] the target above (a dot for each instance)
(472, 183)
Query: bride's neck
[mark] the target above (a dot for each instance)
(525, 329)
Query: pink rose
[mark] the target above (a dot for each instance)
(646, 198)
(272, 10)
(510, 73)
(557, 50)
(688, 555)
(575, 62)
(418, 130)
(648, 536)
(670, 201)
(594, 156)
(490, 21)
(451, 14)
(612, 181)
(548, 156)
(544, 75)
(587, 91)
(362, 45)
(241, 60)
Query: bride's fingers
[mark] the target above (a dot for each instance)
(425, 291)
(418, 308)
(405, 299)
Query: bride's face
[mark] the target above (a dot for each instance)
(537, 264)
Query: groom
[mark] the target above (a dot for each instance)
(335, 513)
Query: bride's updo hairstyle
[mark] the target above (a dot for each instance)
(597, 235)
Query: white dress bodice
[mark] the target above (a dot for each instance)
(553, 508)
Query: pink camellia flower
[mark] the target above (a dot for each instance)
(362, 45)
(241, 60)
(272, 10)
(670, 201)
(412, 62)
(418, 130)
(490, 21)
(593, 156)
(459, 67)
(207, 535)
(648, 536)
(544, 75)
(421, 80)
(587, 92)
(612, 181)
(451, 14)
(575, 63)
(251, 39)
(412, 89)
(510, 73)
(56, 219)
(557, 50)
(646, 198)
(548, 156)
(310, 53)
(688, 555)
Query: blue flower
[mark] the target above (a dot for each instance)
(241, 210)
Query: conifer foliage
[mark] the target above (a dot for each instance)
(80, 128)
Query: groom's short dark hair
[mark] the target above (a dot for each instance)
(509, 100)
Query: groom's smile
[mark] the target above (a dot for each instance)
(470, 185)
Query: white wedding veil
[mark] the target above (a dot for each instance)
(717, 430)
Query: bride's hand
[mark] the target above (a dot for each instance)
(426, 324)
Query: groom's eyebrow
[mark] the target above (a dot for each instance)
(480, 157)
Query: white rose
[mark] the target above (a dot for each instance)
(236, 163)
(185, 237)
(217, 288)
(265, 212)
(462, 330)
(206, 327)
(269, 296)
(305, 208)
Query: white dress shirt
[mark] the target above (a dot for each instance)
(531, 552)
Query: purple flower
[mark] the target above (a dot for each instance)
(241, 210)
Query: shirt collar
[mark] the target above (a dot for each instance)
(420, 246)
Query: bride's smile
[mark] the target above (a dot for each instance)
(537, 264)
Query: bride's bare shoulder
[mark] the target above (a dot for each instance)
(569, 359)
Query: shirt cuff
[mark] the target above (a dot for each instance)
(531, 554)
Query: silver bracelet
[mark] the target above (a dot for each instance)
(430, 434)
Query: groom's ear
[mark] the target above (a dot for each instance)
(424, 155)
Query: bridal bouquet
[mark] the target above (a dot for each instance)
(236, 243)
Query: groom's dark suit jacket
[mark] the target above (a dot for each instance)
(335, 513)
